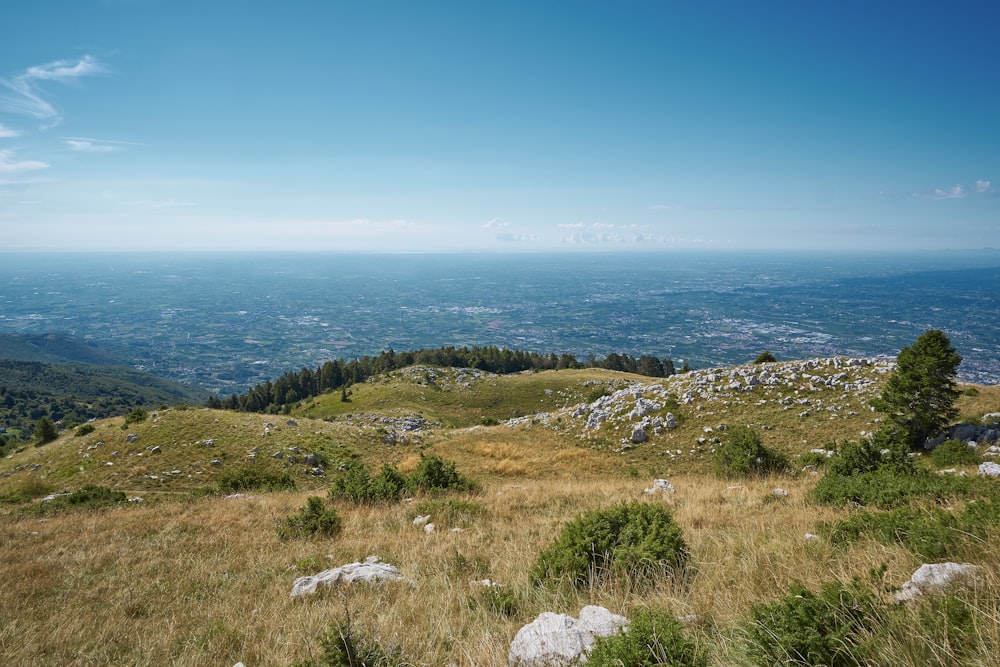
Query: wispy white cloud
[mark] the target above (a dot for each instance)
(9, 166)
(7, 133)
(957, 191)
(27, 96)
(495, 223)
(88, 145)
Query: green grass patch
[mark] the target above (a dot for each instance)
(255, 479)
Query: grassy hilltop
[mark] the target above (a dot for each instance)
(196, 575)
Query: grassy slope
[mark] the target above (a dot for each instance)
(190, 580)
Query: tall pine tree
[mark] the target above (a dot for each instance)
(919, 397)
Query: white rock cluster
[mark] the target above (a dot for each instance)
(558, 640)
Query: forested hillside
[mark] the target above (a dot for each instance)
(76, 392)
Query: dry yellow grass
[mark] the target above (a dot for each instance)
(205, 581)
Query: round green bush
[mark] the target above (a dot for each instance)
(637, 542)
(653, 638)
(954, 452)
(313, 519)
(743, 454)
(831, 627)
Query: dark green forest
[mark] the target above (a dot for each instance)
(72, 393)
(273, 396)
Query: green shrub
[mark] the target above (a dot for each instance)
(45, 431)
(814, 459)
(344, 646)
(83, 429)
(389, 485)
(765, 357)
(89, 497)
(831, 627)
(436, 474)
(433, 474)
(878, 452)
(637, 542)
(351, 482)
(255, 479)
(887, 488)
(500, 600)
(311, 520)
(354, 483)
(743, 454)
(933, 533)
(654, 637)
(27, 490)
(954, 452)
(137, 416)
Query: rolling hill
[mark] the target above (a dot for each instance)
(209, 571)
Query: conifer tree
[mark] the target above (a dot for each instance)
(919, 397)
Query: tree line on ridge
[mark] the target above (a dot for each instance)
(273, 396)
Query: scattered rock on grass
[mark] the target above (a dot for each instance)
(557, 640)
(371, 571)
(931, 577)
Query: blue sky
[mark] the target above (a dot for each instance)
(522, 126)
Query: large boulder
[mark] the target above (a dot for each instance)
(989, 469)
(934, 577)
(558, 640)
(370, 571)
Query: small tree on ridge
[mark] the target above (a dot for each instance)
(919, 397)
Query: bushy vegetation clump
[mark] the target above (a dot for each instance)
(45, 431)
(90, 497)
(743, 454)
(877, 472)
(83, 429)
(136, 416)
(345, 646)
(313, 519)
(255, 479)
(932, 533)
(653, 637)
(432, 475)
(830, 627)
(954, 452)
(436, 474)
(636, 542)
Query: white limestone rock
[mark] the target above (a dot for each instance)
(371, 571)
(931, 577)
(989, 469)
(559, 640)
(660, 486)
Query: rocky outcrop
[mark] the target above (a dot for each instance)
(556, 640)
(987, 434)
(370, 571)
